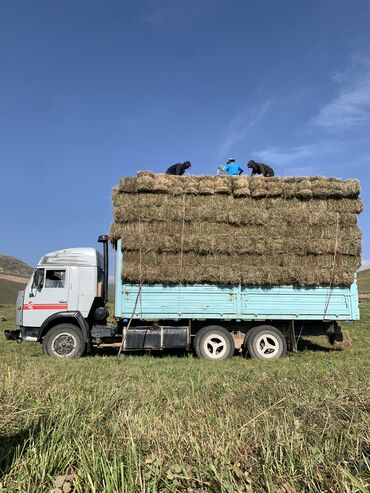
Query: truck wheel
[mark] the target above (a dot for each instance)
(64, 341)
(266, 342)
(214, 342)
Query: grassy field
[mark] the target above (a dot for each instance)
(363, 278)
(19, 271)
(9, 291)
(151, 424)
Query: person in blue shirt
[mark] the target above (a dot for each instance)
(231, 168)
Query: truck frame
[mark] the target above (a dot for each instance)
(64, 307)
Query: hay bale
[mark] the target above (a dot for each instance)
(354, 206)
(172, 268)
(256, 186)
(213, 238)
(126, 184)
(226, 209)
(225, 229)
(240, 186)
(154, 207)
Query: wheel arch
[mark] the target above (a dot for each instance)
(74, 318)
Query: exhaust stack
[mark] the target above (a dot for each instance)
(104, 239)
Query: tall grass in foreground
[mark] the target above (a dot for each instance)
(154, 424)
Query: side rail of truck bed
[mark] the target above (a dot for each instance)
(199, 302)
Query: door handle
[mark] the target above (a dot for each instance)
(62, 301)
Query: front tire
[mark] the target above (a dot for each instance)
(214, 343)
(64, 341)
(266, 342)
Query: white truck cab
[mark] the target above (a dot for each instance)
(66, 280)
(64, 298)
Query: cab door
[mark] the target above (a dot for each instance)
(46, 294)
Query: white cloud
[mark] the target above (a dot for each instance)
(365, 264)
(351, 106)
(158, 12)
(239, 127)
(285, 157)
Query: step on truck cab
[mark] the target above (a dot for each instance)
(64, 307)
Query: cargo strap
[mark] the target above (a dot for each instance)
(125, 329)
(330, 289)
(182, 252)
(138, 296)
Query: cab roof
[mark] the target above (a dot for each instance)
(82, 257)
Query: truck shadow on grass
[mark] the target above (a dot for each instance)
(302, 345)
(14, 445)
(307, 345)
(113, 352)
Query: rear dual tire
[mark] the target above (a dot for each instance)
(263, 342)
(266, 342)
(214, 343)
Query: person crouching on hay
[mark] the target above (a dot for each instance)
(178, 168)
(231, 168)
(260, 169)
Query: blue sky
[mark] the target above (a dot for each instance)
(93, 90)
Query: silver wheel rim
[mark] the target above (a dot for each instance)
(267, 346)
(63, 345)
(215, 346)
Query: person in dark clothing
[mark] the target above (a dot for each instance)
(178, 168)
(260, 169)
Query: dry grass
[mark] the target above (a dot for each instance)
(271, 238)
(177, 424)
(288, 187)
(148, 207)
(238, 229)
(306, 270)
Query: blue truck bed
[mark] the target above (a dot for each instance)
(237, 302)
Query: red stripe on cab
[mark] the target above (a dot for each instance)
(61, 306)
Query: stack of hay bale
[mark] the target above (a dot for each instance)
(231, 230)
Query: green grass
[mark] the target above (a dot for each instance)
(151, 424)
(9, 291)
(363, 281)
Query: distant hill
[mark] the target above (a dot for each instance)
(15, 267)
(363, 281)
(14, 275)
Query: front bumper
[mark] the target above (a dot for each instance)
(13, 335)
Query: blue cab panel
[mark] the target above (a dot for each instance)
(236, 302)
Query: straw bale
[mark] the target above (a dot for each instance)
(212, 238)
(240, 186)
(223, 208)
(238, 229)
(169, 268)
(126, 184)
(256, 186)
(345, 205)
(154, 207)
